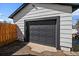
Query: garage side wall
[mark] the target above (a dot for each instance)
(51, 10)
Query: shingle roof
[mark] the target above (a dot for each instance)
(74, 5)
(19, 9)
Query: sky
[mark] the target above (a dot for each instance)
(7, 9)
(75, 17)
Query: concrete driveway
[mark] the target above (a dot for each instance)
(31, 49)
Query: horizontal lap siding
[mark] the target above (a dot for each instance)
(50, 10)
(65, 23)
(20, 24)
(20, 29)
(46, 14)
(66, 32)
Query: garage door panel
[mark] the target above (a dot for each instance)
(43, 32)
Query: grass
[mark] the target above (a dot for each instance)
(75, 47)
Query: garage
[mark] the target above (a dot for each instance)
(27, 15)
(42, 32)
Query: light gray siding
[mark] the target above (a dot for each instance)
(50, 10)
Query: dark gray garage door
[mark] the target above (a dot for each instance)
(43, 32)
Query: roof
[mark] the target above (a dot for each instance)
(18, 9)
(74, 5)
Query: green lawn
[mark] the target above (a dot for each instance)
(75, 47)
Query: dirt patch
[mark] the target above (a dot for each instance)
(11, 48)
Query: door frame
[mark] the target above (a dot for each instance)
(26, 29)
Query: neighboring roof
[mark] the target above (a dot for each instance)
(74, 5)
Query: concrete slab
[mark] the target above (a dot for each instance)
(75, 53)
(41, 48)
(69, 53)
(23, 51)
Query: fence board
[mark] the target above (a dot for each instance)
(8, 33)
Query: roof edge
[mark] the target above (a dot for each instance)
(25, 4)
(17, 10)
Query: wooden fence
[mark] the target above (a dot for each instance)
(8, 33)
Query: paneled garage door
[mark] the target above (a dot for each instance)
(43, 32)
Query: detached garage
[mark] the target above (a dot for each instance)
(45, 24)
(46, 31)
